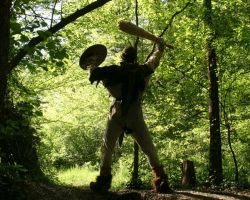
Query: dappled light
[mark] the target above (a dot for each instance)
(167, 118)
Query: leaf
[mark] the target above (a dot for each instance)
(44, 34)
(28, 49)
(24, 38)
(44, 24)
(39, 113)
(15, 27)
(61, 54)
(59, 63)
(26, 1)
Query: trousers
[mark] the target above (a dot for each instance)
(133, 120)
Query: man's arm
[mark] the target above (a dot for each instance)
(154, 60)
(108, 74)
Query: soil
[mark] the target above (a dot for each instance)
(38, 191)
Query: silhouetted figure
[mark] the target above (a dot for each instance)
(126, 84)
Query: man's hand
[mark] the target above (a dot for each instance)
(95, 75)
(162, 44)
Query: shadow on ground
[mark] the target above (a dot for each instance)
(40, 191)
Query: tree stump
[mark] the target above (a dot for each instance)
(188, 174)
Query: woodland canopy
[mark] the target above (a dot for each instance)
(197, 105)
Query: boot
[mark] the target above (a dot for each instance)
(160, 181)
(103, 182)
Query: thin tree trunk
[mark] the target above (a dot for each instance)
(215, 157)
(134, 183)
(228, 125)
(236, 175)
(135, 175)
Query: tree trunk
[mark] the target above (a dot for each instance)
(135, 183)
(4, 51)
(215, 157)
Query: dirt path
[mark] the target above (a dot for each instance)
(57, 192)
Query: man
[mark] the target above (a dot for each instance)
(126, 84)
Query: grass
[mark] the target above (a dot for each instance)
(77, 176)
(82, 176)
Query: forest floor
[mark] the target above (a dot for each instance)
(38, 191)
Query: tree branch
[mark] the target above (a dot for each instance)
(137, 23)
(52, 14)
(172, 18)
(36, 40)
(169, 24)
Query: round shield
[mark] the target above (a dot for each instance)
(93, 56)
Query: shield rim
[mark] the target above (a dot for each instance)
(97, 50)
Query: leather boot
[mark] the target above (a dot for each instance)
(103, 182)
(160, 181)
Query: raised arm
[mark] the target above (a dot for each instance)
(154, 60)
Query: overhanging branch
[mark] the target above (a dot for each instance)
(36, 40)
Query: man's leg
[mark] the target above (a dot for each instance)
(143, 138)
(103, 181)
(113, 131)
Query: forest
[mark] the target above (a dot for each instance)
(196, 105)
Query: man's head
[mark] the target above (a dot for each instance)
(129, 55)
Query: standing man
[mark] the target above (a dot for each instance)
(126, 84)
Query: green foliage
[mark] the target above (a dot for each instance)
(72, 119)
(31, 19)
(69, 114)
(18, 154)
(77, 176)
(82, 176)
